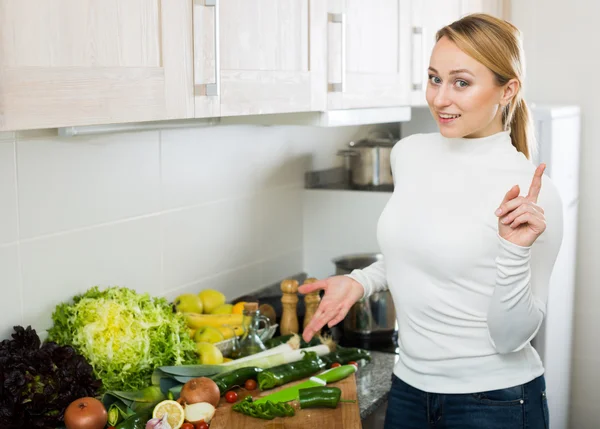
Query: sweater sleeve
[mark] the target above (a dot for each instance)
(518, 303)
(372, 278)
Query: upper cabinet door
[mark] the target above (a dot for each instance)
(428, 16)
(82, 62)
(498, 8)
(263, 56)
(368, 53)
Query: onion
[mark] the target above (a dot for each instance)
(199, 412)
(200, 389)
(86, 413)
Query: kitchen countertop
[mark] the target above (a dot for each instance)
(373, 382)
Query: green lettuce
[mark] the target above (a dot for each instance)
(123, 335)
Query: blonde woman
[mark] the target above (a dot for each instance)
(469, 238)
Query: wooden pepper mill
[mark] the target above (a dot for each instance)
(289, 301)
(311, 303)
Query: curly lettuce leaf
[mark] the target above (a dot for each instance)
(123, 335)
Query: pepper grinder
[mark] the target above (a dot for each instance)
(311, 303)
(289, 301)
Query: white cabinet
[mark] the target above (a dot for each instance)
(263, 56)
(429, 16)
(368, 47)
(82, 62)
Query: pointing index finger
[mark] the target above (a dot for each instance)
(536, 183)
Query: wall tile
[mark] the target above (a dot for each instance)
(59, 267)
(75, 182)
(8, 191)
(10, 287)
(203, 165)
(281, 266)
(232, 283)
(204, 240)
(281, 220)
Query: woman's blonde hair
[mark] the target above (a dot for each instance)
(497, 44)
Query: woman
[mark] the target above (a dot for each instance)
(469, 239)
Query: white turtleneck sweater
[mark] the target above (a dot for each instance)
(468, 302)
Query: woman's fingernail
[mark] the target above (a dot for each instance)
(498, 212)
(504, 221)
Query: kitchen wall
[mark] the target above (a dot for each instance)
(163, 212)
(561, 63)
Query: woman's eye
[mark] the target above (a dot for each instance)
(435, 80)
(462, 83)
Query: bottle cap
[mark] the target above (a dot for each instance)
(251, 306)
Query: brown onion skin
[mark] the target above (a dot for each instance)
(201, 389)
(86, 413)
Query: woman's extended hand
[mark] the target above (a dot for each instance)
(520, 220)
(341, 292)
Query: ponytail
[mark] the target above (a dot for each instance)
(517, 117)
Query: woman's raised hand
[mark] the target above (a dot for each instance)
(520, 220)
(341, 292)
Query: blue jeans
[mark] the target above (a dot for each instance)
(519, 407)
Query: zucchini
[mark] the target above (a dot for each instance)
(282, 374)
(234, 378)
(344, 355)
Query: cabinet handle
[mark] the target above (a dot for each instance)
(339, 18)
(212, 89)
(417, 60)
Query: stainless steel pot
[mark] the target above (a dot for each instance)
(375, 315)
(368, 161)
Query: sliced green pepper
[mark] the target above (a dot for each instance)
(267, 410)
(320, 397)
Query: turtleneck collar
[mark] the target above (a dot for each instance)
(499, 142)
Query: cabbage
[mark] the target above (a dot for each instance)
(123, 335)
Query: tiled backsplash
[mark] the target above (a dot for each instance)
(162, 211)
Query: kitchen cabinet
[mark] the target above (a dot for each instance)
(83, 62)
(428, 16)
(259, 57)
(368, 47)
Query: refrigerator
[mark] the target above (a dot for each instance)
(327, 235)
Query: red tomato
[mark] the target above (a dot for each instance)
(335, 364)
(250, 384)
(353, 363)
(231, 397)
(187, 426)
(202, 425)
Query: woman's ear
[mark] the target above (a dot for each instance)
(509, 90)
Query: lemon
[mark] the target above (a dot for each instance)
(211, 299)
(174, 411)
(209, 354)
(208, 334)
(223, 309)
(238, 308)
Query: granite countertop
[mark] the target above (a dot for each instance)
(373, 382)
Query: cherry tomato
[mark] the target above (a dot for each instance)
(203, 425)
(187, 426)
(353, 363)
(250, 384)
(335, 364)
(231, 397)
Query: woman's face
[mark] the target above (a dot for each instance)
(463, 95)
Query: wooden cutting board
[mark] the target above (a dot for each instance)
(345, 416)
